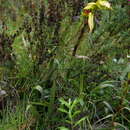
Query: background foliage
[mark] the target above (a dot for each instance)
(41, 76)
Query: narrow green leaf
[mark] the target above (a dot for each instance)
(104, 85)
(75, 113)
(69, 122)
(39, 88)
(127, 108)
(63, 102)
(90, 126)
(79, 121)
(62, 110)
(125, 118)
(108, 105)
(108, 116)
(33, 110)
(74, 104)
(40, 103)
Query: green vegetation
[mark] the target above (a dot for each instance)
(58, 72)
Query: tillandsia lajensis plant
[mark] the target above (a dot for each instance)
(89, 11)
(92, 7)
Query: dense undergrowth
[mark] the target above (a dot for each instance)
(47, 84)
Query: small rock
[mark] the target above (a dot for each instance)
(2, 93)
